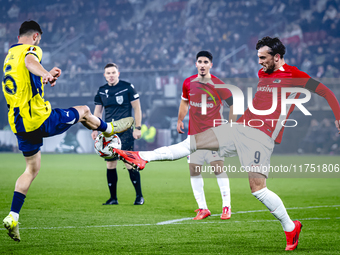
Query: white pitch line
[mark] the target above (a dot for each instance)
(172, 221)
(180, 221)
(250, 221)
(254, 211)
(176, 223)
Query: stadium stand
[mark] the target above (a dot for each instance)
(153, 40)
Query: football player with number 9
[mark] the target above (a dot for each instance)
(253, 144)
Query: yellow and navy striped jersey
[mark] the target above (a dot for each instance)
(24, 91)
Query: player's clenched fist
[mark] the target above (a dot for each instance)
(55, 73)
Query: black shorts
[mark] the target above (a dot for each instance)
(127, 142)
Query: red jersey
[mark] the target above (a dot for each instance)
(285, 76)
(192, 90)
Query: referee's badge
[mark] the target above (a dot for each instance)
(119, 99)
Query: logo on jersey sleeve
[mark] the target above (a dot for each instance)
(119, 99)
(32, 49)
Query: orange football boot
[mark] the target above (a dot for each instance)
(201, 214)
(226, 213)
(132, 158)
(293, 236)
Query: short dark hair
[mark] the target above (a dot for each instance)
(204, 53)
(111, 65)
(29, 26)
(275, 45)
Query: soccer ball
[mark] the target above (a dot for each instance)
(104, 145)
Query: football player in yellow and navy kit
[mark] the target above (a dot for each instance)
(31, 117)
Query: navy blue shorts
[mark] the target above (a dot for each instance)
(127, 142)
(58, 122)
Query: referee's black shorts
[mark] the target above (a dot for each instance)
(127, 142)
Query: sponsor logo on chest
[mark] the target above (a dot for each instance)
(196, 104)
(265, 88)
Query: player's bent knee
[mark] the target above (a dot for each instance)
(33, 164)
(257, 185)
(33, 170)
(84, 111)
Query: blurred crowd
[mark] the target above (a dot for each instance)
(321, 137)
(155, 43)
(81, 36)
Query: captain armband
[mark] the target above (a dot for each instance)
(229, 101)
(312, 84)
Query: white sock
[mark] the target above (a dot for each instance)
(108, 130)
(223, 183)
(15, 215)
(197, 187)
(171, 152)
(274, 203)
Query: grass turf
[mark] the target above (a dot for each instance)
(63, 214)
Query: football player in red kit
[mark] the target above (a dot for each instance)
(254, 136)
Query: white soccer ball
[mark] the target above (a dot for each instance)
(104, 145)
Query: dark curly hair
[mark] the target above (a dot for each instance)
(274, 44)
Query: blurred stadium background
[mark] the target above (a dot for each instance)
(155, 42)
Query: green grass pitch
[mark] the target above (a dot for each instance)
(63, 214)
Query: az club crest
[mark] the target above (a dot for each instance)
(119, 99)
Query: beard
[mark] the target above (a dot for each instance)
(203, 73)
(270, 68)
